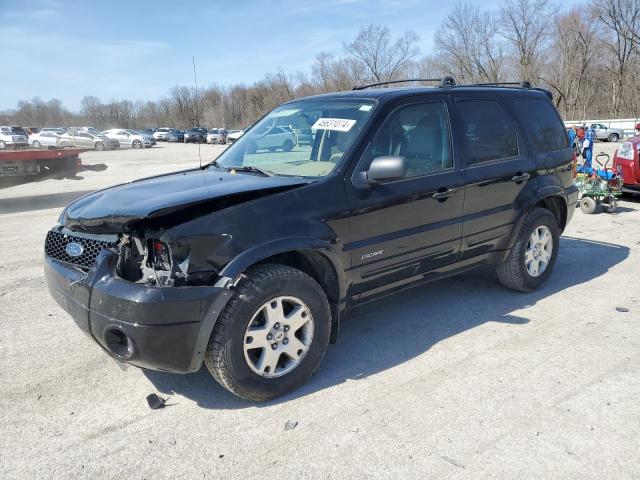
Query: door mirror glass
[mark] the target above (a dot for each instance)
(386, 168)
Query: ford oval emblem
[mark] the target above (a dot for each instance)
(74, 249)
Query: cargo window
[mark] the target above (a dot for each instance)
(489, 131)
(544, 128)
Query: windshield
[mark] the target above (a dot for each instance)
(306, 138)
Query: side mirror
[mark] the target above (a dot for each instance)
(386, 168)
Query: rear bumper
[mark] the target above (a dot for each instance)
(164, 329)
(572, 199)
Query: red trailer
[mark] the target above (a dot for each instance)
(18, 166)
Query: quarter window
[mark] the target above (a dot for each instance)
(489, 131)
(420, 133)
(544, 129)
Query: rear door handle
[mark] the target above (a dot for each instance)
(520, 177)
(444, 194)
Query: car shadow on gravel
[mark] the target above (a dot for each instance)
(388, 332)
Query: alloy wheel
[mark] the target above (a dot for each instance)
(539, 250)
(278, 336)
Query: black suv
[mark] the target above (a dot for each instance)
(248, 263)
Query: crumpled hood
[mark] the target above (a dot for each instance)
(113, 208)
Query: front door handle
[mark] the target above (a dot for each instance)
(443, 194)
(520, 177)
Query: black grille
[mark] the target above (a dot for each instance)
(57, 242)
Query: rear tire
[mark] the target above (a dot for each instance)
(287, 146)
(226, 356)
(3, 145)
(588, 205)
(514, 272)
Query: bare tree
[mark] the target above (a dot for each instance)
(572, 60)
(469, 40)
(383, 59)
(526, 26)
(621, 19)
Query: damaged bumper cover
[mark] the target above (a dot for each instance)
(160, 328)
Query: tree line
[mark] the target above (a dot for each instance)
(588, 56)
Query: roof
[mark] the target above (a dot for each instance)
(391, 93)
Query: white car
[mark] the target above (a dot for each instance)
(234, 135)
(13, 137)
(129, 137)
(161, 133)
(274, 138)
(215, 135)
(45, 139)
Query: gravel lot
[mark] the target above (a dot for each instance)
(457, 379)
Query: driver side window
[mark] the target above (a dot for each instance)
(421, 134)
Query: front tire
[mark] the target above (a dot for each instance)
(36, 144)
(137, 144)
(99, 146)
(272, 335)
(533, 254)
(613, 137)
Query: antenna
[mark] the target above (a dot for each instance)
(195, 82)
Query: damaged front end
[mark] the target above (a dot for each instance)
(155, 258)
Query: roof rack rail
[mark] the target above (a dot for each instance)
(523, 84)
(444, 82)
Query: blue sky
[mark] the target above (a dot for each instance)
(67, 49)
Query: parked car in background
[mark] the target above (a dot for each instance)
(78, 137)
(175, 136)
(161, 133)
(627, 158)
(58, 130)
(216, 135)
(609, 134)
(195, 135)
(233, 135)
(13, 137)
(273, 138)
(129, 137)
(45, 139)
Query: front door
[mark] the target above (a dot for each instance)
(406, 227)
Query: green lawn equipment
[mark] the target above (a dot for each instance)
(599, 187)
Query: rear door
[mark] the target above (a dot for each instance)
(496, 170)
(406, 227)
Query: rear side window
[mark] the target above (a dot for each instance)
(489, 131)
(545, 130)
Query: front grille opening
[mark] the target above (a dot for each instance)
(56, 244)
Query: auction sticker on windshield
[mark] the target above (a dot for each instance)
(338, 124)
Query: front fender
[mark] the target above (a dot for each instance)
(246, 259)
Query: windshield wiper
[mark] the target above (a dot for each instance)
(251, 168)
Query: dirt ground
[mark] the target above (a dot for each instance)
(456, 379)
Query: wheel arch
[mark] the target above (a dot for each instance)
(551, 198)
(314, 257)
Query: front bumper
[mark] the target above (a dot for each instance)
(160, 328)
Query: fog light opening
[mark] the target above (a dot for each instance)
(118, 343)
